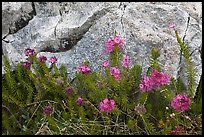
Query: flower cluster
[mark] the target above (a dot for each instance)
(180, 103)
(125, 61)
(105, 63)
(26, 64)
(115, 72)
(177, 130)
(42, 58)
(53, 60)
(107, 105)
(48, 110)
(112, 42)
(159, 78)
(146, 84)
(84, 69)
(80, 101)
(69, 91)
(29, 52)
(156, 80)
(172, 25)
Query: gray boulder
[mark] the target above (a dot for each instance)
(77, 31)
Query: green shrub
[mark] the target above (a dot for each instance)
(119, 100)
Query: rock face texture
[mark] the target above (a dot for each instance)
(77, 31)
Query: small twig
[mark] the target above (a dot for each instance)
(41, 102)
(33, 114)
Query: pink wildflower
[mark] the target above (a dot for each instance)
(109, 46)
(112, 70)
(116, 77)
(69, 91)
(180, 103)
(53, 60)
(159, 78)
(117, 39)
(122, 42)
(42, 58)
(26, 64)
(146, 84)
(29, 52)
(105, 63)
(84, 69)
(172, 25)
(112, 42)
(177, 130)
(48, 110)
(125, 61)
(80, 101)
(115, 72)
(107, 105)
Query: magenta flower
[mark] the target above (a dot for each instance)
(115, 72)
(29, 52)
(112, 42)
(159, 78)
(53, 60)
(122, 42)
(42, 58)
(118, 40)
(109, 46)
(48, 110)
(69, 91)
(146, 84)
(125, 61)
(172, 25)
(107, 105)
(80, 101)
(156, 80)
(105, 63)
(26, 64)
(180, 103)
(112, 70)
(177, 130)
(84, 69)
(116, 77)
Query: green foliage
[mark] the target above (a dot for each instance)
(191, 72)
(154, 61)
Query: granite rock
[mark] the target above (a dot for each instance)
(77, 31)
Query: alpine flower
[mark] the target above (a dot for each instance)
(105, 63)
(125, 61)
(172, 25)
(48, 110)
(180, 103)
(29, 51)
(146, 84)
(42, 58)
(159, 78)
(115, 72)
(178, 130)
(53, 60)
(107, 105)
(80, 101)
(84, 69)
(69, 91)
(112, 42)
(26, 64)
